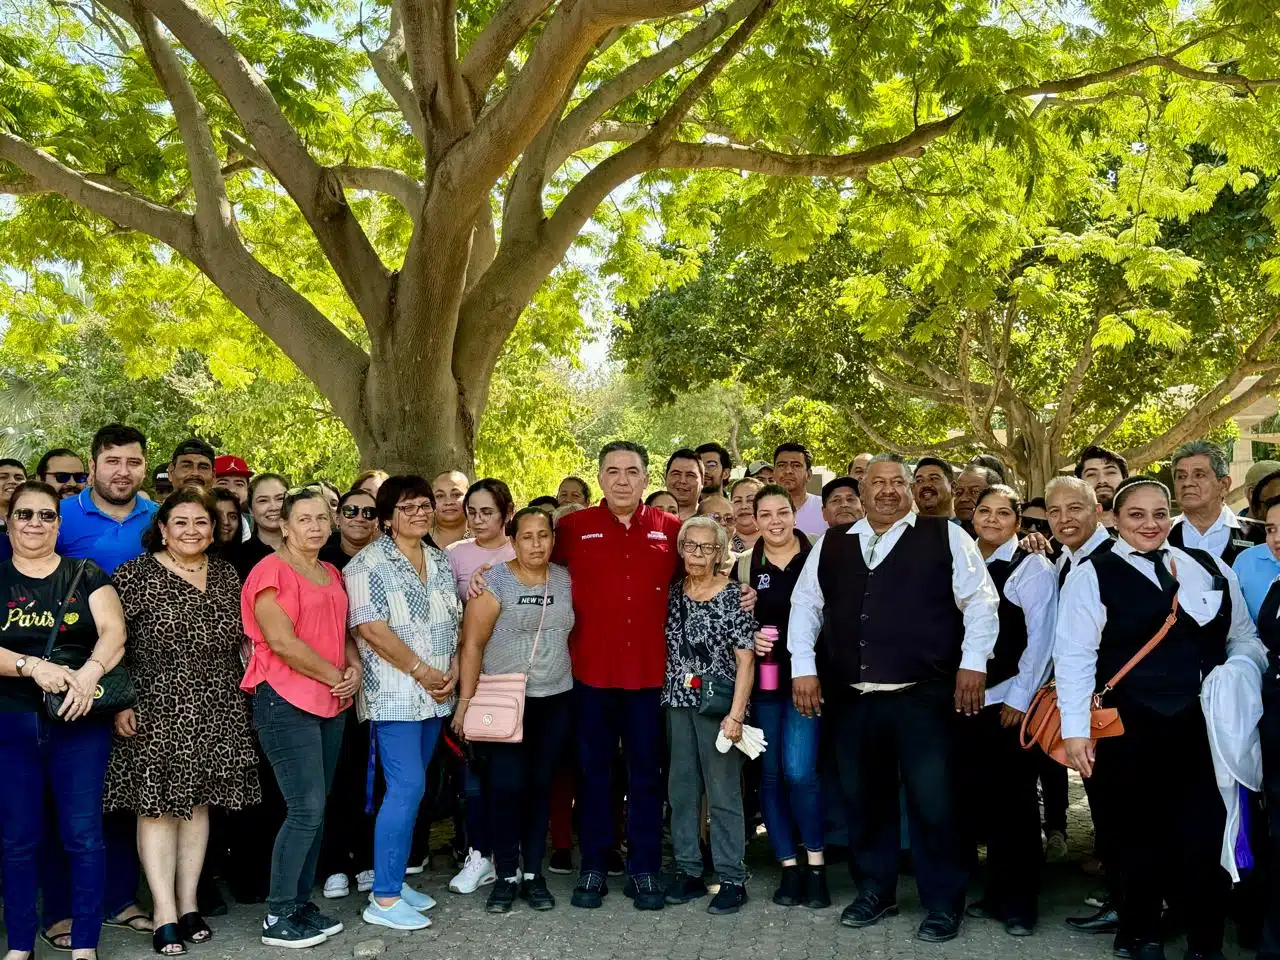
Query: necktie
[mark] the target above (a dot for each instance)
(1167, 581)
(871, 547)
(1062, 574)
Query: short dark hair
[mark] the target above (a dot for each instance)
(586, 490)
(331, 487)
(10, 462)
(648, 501)
(153, 539)
(193, 446)
(1095, 452)
(1266, 507)
(1129, 484)
(627, 446)
(831, 486)
(794, 448)
(262, 478)
(356, 492)
(545, 501)
(116, 435)
(1001, 490)
(947, 470)
(684, 453)
(1035, 503)
(33, 486)
(513, 525)
(497, 489)
(991, 462)
(726, 461)
(43, 466)
(397, 488)
(223, 495)
(1255, 496)
(770, 490)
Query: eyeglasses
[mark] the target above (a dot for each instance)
(699, 549)
(27, 514)
(351, 511)
(719, 517)
(63, 477)
(414, 509)
(1035, 525)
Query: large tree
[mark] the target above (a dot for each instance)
(498, 129)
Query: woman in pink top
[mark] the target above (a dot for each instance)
(303, 672)
(489, 506)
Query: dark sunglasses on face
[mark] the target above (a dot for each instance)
(63, 477)
(351, 511)
(1035, 525)
(25, 515)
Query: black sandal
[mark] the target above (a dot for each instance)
(167, 936)
(193, 929)
(57, 941)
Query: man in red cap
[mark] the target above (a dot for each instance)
(232, 473)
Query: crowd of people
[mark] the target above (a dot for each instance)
(230, 677)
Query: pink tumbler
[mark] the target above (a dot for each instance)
(769, 663)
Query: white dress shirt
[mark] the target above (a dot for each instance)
(1033, 587)
(974, 593)
(809, 518)
(1096, 539)
(1215, 539)
(1082, 617)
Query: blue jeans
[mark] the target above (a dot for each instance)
(405, 747)
(70, 759)
(790, 793)
(602, 715)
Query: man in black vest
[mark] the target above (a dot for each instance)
(911, 617)
(1201, 481)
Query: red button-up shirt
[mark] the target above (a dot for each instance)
(620, 578)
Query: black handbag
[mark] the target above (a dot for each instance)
(115, 690)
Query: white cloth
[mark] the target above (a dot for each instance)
(1033, 588)
(1096, 539)
(752, 743)
(1231, 697)
(1082, 617)
(1215, 539)
(809, 518)
(974, 593)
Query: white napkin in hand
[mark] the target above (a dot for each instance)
(752, 743)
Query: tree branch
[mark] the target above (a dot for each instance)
(394, 183)
(499, 37)
(1075, 380)
(430, 35)
(916, 390)
(906, 449)
(384, 62)
(978, 419)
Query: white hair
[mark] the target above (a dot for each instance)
(1085, 491)
(706, 523)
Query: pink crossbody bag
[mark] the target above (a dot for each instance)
(496, 711)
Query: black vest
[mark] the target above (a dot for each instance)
(1269, 627)
(1248, 534)
(1168, 678)
(898, 623)
(1067, 567)
(1013, 623)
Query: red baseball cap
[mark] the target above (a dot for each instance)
(229, 466)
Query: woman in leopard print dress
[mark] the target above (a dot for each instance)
(187, 745)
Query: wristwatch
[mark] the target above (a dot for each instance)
(19, 665)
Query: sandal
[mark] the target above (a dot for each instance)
(165, 938)
(130, 921)
(193, 929)
(57, 941)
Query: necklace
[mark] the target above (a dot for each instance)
(204, 561)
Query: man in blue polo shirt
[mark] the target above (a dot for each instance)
(106, 520)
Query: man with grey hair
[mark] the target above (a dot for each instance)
(1201, 481)
(1075, 520)
(908, 617)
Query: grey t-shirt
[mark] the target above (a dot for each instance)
(509, 647)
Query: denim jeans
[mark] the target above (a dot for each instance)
(790, 794)
(70, 760)
(405, 747)
(520, 776)
(303, 752)
(698, 767)
(601, 716)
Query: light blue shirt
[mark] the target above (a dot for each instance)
(88, 532)
(1256, 569)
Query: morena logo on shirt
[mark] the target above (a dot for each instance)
(592, 536)
(657, 535)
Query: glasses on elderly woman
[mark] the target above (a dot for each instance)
(699, 549)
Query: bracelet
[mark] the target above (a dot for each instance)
(416, 667)
(464, 700)
(729, 716)
(101, 666)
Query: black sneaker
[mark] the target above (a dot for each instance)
(816, 894)
(590, 891)
(868, 909)
(617, 866)
(684, 888)
(939, 927)
(534, 892)
(790, 892)
(502, 896)
(309, 915)
(561, 862)
(289, 932)
(729, 899)
(647, 892)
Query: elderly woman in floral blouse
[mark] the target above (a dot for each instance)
(405, 614)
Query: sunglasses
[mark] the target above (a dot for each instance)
(351, 511)
(26, 514)
(63, 477)
(1035, 525)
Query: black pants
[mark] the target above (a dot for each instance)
(909, 732)
(1269, 732)
(519, 784)
(347, 846)
(1153, 787)
(998, 792)
(1053, 791)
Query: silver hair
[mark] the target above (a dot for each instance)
(706, 523)
(891, 458)
(1203, 448)
(1071, 483)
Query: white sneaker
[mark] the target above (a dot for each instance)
(398, 916)
(413, 869)
(336, 886)
(475, 873)
(364, 881)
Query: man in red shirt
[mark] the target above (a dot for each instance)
(621, 557)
